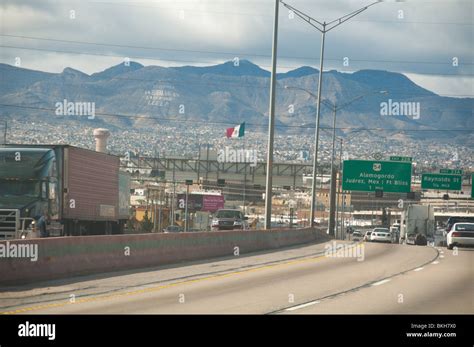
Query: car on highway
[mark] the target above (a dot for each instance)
(229, 219)
(367, 236)
(461, 234)
(173, 229)
(381, 235)
(453, 220)
(356, 235)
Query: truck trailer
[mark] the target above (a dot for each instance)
(417, 224)
(83, 192)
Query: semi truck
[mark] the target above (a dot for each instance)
(82, 192)
(417, 225)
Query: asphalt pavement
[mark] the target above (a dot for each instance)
(361, 278)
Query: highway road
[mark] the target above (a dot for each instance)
(369, 278)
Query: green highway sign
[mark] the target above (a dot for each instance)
(407, 159)
(451, 171)
(441, 181)
(369, 176)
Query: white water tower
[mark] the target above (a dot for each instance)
(101, 135)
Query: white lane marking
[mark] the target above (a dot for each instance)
(435, 262)
(441, 256)
(419, 269)
(380, 282)
(302, 306)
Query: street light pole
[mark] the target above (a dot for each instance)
(316, 135)
(271, 125)
(334, 108)
(332, 189)
(339, 190)
(338, 193)
(332, 192)
(323, 28)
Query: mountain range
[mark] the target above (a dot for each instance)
(126, 95)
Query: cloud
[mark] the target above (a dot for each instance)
(446, 85)
(419, 37)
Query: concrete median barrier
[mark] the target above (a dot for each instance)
(64, 257)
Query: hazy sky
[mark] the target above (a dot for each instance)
(421, 38)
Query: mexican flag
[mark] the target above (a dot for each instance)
(237, 131)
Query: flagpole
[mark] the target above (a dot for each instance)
(245, 168)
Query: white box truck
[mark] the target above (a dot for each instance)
(417, 225)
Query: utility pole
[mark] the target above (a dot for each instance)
(147, 199)
(199, 164)
(173, 198)
(154, 210)
(323, 28)
(245, 186)
(343, 229)
(271, 125)
(186, 209)
(160, 222)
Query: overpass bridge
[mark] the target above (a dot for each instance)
(210, 170)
